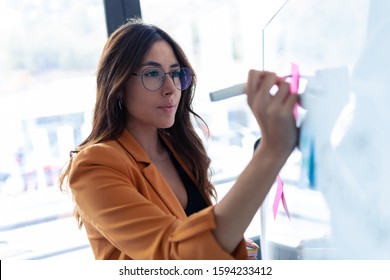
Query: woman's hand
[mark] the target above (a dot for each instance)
(273, 112)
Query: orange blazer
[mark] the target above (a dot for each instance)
(130, 212)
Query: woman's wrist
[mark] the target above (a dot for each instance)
(271, 157)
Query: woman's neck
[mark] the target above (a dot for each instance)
(148, 138)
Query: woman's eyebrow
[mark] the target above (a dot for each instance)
(153, 63)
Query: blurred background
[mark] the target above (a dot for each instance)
(48, 57)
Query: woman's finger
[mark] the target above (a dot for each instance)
(282, 92)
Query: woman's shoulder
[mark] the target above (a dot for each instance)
(106, 146)
(103, 158)
(108, 151)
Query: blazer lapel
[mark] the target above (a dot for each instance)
(152, 174)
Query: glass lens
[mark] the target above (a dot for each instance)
(185, 78)
(153, 78)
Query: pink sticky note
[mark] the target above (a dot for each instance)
(294, 85)
(280, 196)
(285, 206)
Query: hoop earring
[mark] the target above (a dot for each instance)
(120, 103)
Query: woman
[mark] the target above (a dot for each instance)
(140, 180)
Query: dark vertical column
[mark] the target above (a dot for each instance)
(117, 11)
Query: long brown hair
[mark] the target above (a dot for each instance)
(121, 55)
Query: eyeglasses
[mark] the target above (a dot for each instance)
(154, 78)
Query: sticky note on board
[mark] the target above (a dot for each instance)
(294, 85)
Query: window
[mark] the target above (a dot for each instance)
(48, 57)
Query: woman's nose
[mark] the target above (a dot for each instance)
(169, 86)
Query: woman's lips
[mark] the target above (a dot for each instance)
(167, 107)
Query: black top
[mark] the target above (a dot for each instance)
(195, 200)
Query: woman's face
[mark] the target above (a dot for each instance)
(154, 109)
